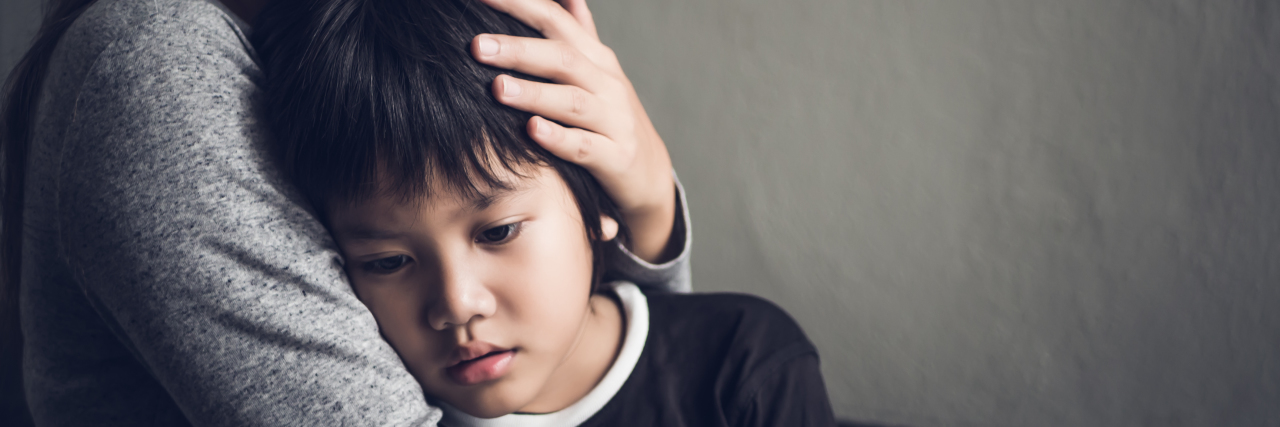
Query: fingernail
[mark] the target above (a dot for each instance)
(510, 87)
(488, 46)
(542, 129)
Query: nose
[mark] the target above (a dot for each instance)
(461, 296)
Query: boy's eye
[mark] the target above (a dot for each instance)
(499, 234)
(386, 265)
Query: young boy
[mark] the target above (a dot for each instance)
(479, 252)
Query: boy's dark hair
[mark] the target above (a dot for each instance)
(370, 96)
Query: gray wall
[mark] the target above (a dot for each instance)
(988, 213)
(985, 213)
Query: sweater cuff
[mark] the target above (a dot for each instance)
(671, 276)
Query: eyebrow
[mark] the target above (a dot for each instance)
(364, 233)
(483, 201)
(478, 203)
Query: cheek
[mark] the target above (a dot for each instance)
(398, 309)
(547, 292)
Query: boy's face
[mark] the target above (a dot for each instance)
(486, 300)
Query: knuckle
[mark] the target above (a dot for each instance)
(568, 56)
(529, 93)
(513, 47)
(578, 102)
(545, 16)
(617, 88)
(628, 151)
(605, 57)
(608, 54)
(532, 93)
(584, 147)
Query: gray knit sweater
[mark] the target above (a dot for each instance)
(170, 276)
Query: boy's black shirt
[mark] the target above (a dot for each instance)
(720, 360)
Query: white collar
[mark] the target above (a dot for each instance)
(636, 308)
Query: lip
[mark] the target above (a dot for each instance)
(471, 351)
(472, 365)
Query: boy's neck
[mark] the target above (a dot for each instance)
(594, 353)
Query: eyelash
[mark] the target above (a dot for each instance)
(373, 267)
(400, 261)
(513, 230)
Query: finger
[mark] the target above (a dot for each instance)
(551, 20)
(578, 9)
(590, 150)
(549, 59)
(546, 16)
(563, 103)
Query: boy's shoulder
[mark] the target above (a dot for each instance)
(709, 359)
(741, 317)
(723, 331)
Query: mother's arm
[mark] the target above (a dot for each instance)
(202, 263)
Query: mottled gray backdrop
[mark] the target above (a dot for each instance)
(985, 213)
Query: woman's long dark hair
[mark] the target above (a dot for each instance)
(21, 96)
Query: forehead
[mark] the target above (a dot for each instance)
(459, 183)
(442, 199)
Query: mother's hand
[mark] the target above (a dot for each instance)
(611, 136)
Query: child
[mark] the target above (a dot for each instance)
(479, 252)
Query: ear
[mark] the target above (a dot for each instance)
(608, 228)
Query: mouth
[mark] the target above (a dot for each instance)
(487, 367)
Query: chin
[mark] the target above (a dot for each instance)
(491, 403)
(486, 411)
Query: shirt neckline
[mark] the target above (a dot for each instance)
(636, 308)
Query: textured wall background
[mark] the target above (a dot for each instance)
(985, 213)
(988, 213)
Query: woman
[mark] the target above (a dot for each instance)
(169, 276)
